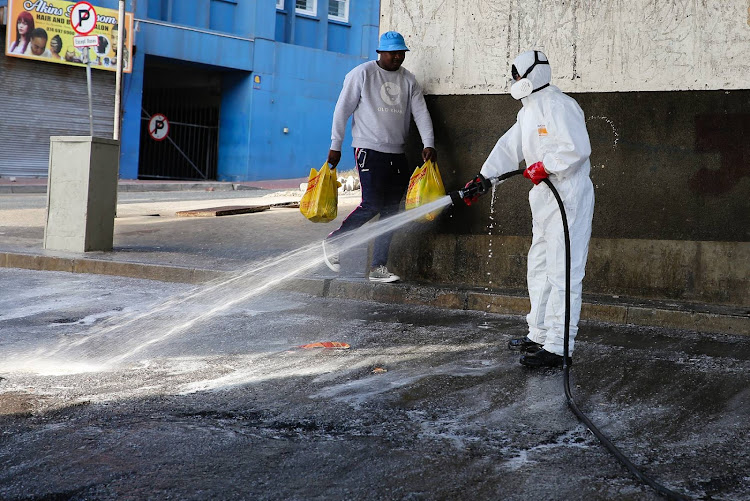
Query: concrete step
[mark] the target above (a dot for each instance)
(707, 318)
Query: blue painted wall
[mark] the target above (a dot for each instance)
(301, 61)
(301, 69)
(298, 93)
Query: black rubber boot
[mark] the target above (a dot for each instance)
(524, 344)
(543, 358)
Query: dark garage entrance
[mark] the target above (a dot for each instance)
(189, 97)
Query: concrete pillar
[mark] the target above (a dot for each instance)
(323, 24)
(81, 193)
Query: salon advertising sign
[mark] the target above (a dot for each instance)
(42, 30)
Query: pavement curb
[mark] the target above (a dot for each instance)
(513, 304)
(138, 187)
(22, 188)
(675, 317)
(103, 267)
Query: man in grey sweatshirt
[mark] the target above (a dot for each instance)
(381, 97)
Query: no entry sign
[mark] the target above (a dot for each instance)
(158, 127)
(83, 18)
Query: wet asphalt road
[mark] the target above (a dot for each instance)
(425, 404)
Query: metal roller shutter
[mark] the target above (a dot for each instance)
(39, 100)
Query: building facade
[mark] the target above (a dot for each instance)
(247, 88)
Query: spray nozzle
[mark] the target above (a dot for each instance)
(456, 196)
(479, 186)
(473, 189)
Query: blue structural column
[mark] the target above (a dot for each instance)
(234, 126)
(130, 133)
(132, 97)
(370, 30)
(323, 25)
(255, 20)
(291, 16)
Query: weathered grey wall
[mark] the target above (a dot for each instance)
(671, 172)
(467, 46)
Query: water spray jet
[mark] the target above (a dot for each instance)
(114, 343)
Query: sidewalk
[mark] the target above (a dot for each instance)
(152, 242)
(39, 185)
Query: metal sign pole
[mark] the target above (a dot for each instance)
(118, 77)
(88, 84)
(83, 21)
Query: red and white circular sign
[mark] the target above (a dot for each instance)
(83, 18)
(158, 127)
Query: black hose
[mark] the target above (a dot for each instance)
(664, 491)
(503, 177)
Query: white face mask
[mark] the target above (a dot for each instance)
(521, 88)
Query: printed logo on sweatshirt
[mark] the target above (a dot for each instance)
(542, 129)
(390, 93)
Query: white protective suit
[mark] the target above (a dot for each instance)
(550, 128)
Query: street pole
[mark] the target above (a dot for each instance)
(118, 77)
(88, 85)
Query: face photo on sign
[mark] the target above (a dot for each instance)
(101, 50)
(38, 44)
(24, 27)
(125, 52)
(73, 56)
(55, 47)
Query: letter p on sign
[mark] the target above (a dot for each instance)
(83, 18)
(158, 127)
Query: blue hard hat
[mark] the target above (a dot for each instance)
(391, 40)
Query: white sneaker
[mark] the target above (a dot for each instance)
(381, 274)
(331, 258)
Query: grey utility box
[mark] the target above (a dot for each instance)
(81, 193)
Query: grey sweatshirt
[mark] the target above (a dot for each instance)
(382, 103)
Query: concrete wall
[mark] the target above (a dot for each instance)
(665, 93)
(467, 47)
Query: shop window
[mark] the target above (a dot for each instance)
(338, 10)
(307, 7)
(280, 4)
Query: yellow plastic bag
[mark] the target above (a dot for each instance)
(320, 202)
(425, 186)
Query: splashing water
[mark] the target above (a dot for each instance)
(615, 133)
(119, 340)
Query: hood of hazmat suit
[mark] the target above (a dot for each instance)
(533, 68)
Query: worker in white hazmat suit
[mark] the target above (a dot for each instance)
(550, 135)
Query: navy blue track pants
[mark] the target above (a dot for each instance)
(384, 178)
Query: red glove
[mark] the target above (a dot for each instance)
(474, 194)
(477, 186)
(535, 172)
